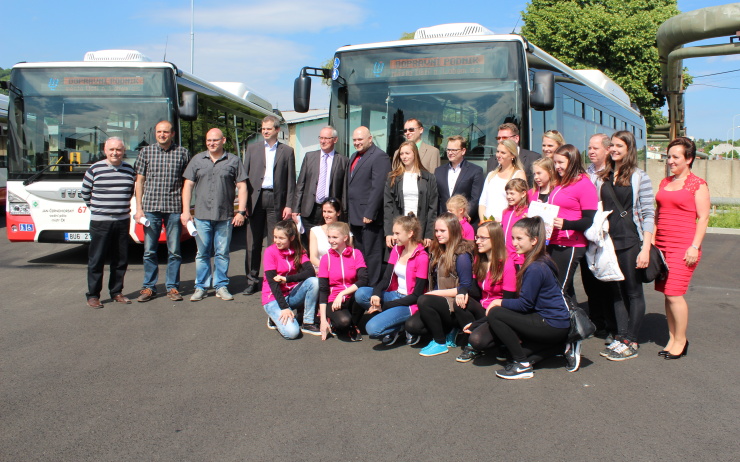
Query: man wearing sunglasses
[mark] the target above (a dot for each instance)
(429, 155)
(509, 131)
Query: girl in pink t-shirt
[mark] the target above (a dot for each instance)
(289, 283)
(342, 271)
(404, 281)
(458, 206)
(576, 196)
(544, 179)
(489, 271)
(516, 196)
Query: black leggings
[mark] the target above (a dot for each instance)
(527, 335)
(566, 259)
(629, 298)
(433, 316)
(481, 336)
(600, 300)
(341, 319)
(474, 311)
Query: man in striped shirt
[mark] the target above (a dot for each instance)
(107, 190)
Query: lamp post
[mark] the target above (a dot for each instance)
(192, 35)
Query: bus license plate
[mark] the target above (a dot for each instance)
(77, 237)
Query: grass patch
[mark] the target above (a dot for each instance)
(724, 216)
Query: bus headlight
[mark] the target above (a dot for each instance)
(17, 206)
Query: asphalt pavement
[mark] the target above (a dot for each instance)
(208, 381)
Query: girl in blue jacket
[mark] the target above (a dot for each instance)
(535, 325)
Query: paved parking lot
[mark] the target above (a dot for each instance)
(208, 381)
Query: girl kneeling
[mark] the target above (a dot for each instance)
(289, 282)
(341, 271)
(535, 325)
(404, 281)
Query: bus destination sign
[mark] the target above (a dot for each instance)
(441, 65)
(133, 84)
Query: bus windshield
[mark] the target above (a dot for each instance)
(61, 117)
(466, 89)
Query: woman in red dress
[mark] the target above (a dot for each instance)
(682, 219)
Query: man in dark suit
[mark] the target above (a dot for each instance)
(459, 177)
(366, 175)
(271, 187)
(325, 165)
(509, 131)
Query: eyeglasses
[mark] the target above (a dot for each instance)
(407, 130)
(482, 238)
(323, 138)
(454, 151)
(501, 138)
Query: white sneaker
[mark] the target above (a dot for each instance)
(223, 294)
(198, 295)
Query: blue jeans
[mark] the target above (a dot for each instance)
(388, 321)
(306, 294)
(173, 228)
(213, 239)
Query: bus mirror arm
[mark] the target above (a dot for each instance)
(189, 107)
(302, 86)
(542, 96)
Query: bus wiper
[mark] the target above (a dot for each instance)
(38, 174)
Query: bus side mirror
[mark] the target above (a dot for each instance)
(302, 93)
(189, 107)
(542, 96)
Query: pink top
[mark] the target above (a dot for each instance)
(572, 199)
(282, 262)
(534, 194)
(467, 230)
(341, 270)
(417, 267)
(490, 290)
(508, 220)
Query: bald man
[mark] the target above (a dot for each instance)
(365, 179)
(214, 175)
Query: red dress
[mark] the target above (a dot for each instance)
(676, 230)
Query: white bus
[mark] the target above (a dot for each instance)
(61, 114)
(3, 147)
(462, 79)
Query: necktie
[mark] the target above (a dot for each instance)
(321, 186)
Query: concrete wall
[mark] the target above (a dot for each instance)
(722, 176)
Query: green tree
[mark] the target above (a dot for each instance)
(614, 36)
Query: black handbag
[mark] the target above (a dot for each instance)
(581, 326)
(657, 268)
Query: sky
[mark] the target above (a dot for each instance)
(265, 44)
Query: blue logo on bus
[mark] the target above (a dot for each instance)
(378, 68)
(53, 83)
(26, 227)
(335, 74)
(336, 63)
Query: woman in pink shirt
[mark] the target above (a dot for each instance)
(404, 281)
(576, 196)
(289, 282)
(341, 271)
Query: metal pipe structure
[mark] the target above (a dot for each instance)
(701, 24)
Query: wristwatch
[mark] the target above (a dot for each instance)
(692, 245)
(242, 212)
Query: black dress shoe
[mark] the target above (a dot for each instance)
(251, 289)
(662, 352)
(683, 353)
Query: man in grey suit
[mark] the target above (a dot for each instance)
(366, 174)
(270, 169)
(324, 164)
(509, 131)
(413, 130)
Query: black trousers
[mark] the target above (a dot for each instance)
(434, 314)
(107, 238)
(342, 319)
(629, 298)
(566, 259)
(600, 300)
(262, 221)
(474, 311)
(527, 335)
(370, 241)
(314, 218)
